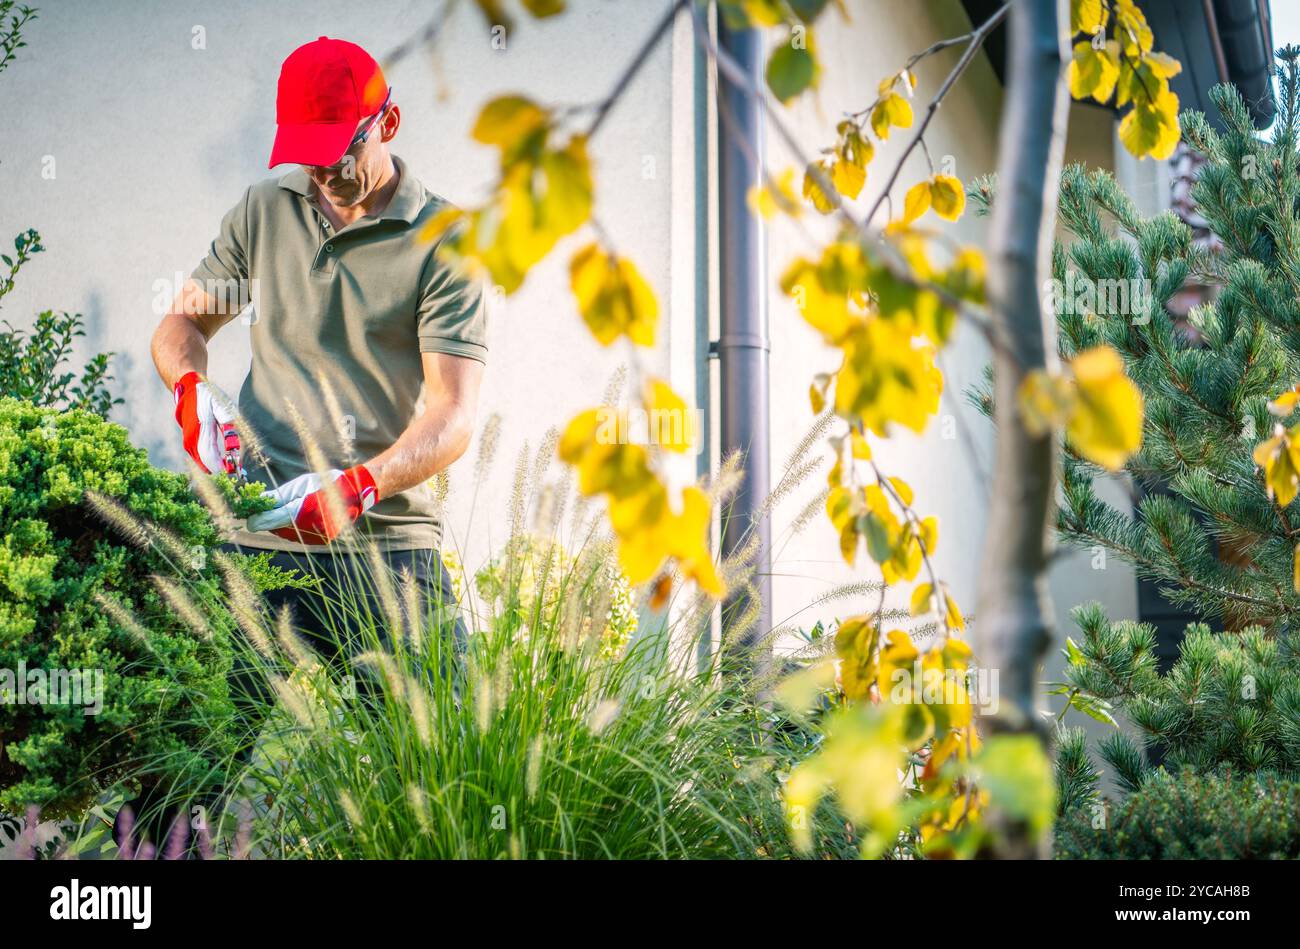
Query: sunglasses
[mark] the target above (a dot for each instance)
(364, 134)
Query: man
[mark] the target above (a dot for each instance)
(354, 313)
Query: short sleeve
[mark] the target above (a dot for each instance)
(227, 258)
(452, 315)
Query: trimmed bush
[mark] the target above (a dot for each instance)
(104, 568)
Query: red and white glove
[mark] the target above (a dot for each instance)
(303, 513)
(207, 426)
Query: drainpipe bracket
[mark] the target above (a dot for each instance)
(738, 341)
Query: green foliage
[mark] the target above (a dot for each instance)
(531, 575)
(31, 364)
(547, 745)
(242, 500)
(1189, 816)
(104, 567)
(1231, 701)
(1211, 536)
(1076, 776)
(1226, 716)
(11, 30)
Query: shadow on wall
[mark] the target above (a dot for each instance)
(130, 379)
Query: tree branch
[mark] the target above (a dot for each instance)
(1013, 606)
(977, 38)
(635, 66)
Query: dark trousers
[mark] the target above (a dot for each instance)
(334, 619)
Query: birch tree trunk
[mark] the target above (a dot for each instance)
(1014, 610)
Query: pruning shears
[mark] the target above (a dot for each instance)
(231, 455)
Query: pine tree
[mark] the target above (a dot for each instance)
(1217, 535)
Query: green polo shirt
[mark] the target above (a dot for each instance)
(355, 308)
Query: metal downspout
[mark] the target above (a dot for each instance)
(743, 344)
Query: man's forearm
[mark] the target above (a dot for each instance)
(178, 347)
(428, 445)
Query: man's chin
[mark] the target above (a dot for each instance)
(342, 199)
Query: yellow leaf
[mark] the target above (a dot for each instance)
(849, 172)
(966, 275)
(507, 120)
(543, 8)
(604, 462)
(1094, 72)
(817, 391)
(859, 761)
(947, 197)
(891, 110)
(904, 490)
(672, 422)
(858, 445)
(1279, 456)
(812, 189)
(839, 505)
(1145, 79)
(800, 692)
(826, 311)
(1151, 128)
(1285, 403)
(1088, 16)
(775, 195)
(952, 617)
(613, 297)
(848, 178)
(856, 636)
(763, 12)
(1132, 29)
(1045, 402)
(1105, 425)
(853, 146)
(835, 477)
(1163, 65)
(916, 202)
(886, 377)
(898, 653)
(929, 534)
(922, 599)
(689, 541)
(565, 203)
(441, 223)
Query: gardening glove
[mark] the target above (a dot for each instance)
(303, 510)
(207, 427)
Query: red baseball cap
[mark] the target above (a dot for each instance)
(326, 88)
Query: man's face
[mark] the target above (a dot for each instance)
(348, 181)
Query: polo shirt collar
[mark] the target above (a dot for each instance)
(405, 204)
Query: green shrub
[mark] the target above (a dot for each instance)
(104, 567)
(31, 364)
(1226, 718)
(1230, 701)
(1189, 816)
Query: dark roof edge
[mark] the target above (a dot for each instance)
(1242, 34)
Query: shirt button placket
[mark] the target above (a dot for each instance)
(325, 256)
